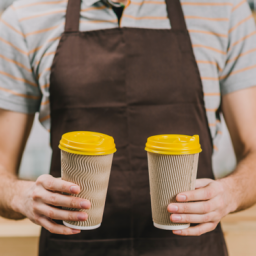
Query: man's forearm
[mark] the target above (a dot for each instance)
(242, 183)
(10, 192)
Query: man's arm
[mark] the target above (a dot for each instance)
(239, 109)
(14, 132)
(212, 200)
(34, 200)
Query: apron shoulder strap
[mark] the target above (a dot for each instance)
(176, 15)
(73, 16)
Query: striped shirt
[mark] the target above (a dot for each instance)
(222, 32)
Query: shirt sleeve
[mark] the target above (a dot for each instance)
(240, 69)
(19, 90)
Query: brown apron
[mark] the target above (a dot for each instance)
(129, 83)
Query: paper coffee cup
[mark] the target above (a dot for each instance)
(86, 160)
(172, 163)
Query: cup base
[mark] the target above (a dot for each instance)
(81, 227)
(168, 227)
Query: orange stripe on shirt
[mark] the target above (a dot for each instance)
(240, 55)
(206, 18)
(209, 48)
(94, 8)
(209, 62)
(206, 32)
(207, 4)
(45, 102)
(241, 22)
(35, 50)
(46, 70)
(41, 3)
(11, 27)
(210, 78)
(238, 71)
(211, 109)
(18, 78)
(13, 46)
(16, 63)
(39, 47)
(54, 39)
(98, 21)
(42, 119)
(147, 2)
(242, 39)
(144, 18)
(238, 5)
(47, 54)
(45, 86)
(212, 124)
(212, 94)
(42, 15)
(20, 94)
(41, 31)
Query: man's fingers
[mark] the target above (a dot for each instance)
(200, 183)
(194, 218)
(194, 207)
(197, 230)
(59, 214)
(201, 194)
(55, 228)
(58, 185)
(57, 199)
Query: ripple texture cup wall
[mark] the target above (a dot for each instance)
(91, 173)
(169, 175)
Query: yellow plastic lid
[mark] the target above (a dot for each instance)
(87, 143)
(173, 144)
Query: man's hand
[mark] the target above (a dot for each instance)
(37, 203)
(206, 205)
(35, 200)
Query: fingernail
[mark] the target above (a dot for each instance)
(82, 216)
(74, 189)
(176, 232)
(176, 217)
(173, 208)
(76, 231)
(181, 197)
(85, 204)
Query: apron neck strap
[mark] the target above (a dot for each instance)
(176, 15)
(174, 10)
(73, 16)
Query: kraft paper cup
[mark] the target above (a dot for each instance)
(86, 160)
(172, 163)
